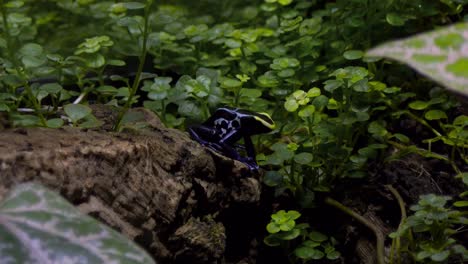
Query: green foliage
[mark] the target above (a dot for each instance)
(194, 97)
(283, 221)
(336, 110)
(37, 225)
(326, 125)
(433, 225)
(314, 245)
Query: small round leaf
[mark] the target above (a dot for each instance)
(435, 115)
(317, 236)
(419, 105)
(77, 111)
(303, 158)
(353, 54)
(54, 123)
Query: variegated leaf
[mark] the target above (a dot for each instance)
(441, 54)
(39, 226)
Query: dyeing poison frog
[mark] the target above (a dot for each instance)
(227, 126)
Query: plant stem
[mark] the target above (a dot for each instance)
(423, 122)
(426, 153)
(6, 30)
(141, 59)
(378, 234)
(396, 242)
(14, 61)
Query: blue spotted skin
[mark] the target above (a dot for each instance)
(227, 126)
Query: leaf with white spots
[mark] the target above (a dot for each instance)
(39, 226)
(441, 54)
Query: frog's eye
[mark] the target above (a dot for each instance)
(265, 119)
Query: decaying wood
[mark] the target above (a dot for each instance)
(155, 185)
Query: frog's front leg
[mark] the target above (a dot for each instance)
(249, 147)
(206, 136)
(229, 146)
(250, 150)
(202, 134)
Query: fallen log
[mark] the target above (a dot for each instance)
(155, 185)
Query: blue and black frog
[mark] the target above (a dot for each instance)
(227, 126)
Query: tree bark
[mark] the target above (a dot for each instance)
(155, 185)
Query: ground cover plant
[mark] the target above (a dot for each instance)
(343, 114)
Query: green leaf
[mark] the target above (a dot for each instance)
(293, 214)
(247, 67)
(435, 115)
(288, 225)
(251, 93)
(54, 57)
(461, 204)
(423, 254)
(291, 105)
(107, 90)
(33, 61)
(308, 253)
(284, 63)
(272, 178)
(438, 54)
(40, 94)
(285, 2)
(461, 120)
(272, 228)
(272, 240)
(286, 73)
(90, 121)
(4, 107)
(464, 177)
(51, 88)
(54, 123)
(440, 256)
(333, 255)
(303, 158)
(268, 80)
(317, 236)
(314, 92)
(95, 61)
(116, 62)
(31, 50)
(402, 138)
(331, 85)
(37, 222)
(3, 43)
(320, 101)
(419, 105)
(77, 111)
(118, 8)
(190, 109)
(395, 19)
(307, 111)
(353, 54)
(230, 83)
(14, 4)
(123, 92)
(25, 120)
(289, 235)
(233, 43)
(311, 244)
(376, 128)
(134, 5)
